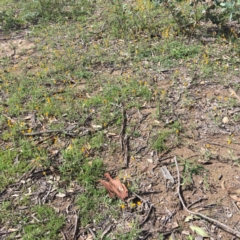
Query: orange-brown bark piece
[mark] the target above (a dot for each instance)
(115, 187)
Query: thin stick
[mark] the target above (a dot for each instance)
(223, 226)
(75, 227)
(197, 201)
(235, 205)
(220, 145)
(64, 237)
(124, 138)
(146, 217)
(150, 209)
(91, 231)
(8, 232)
(136, 195)
(126, 156)
(48, 131)
(107, 229)
(169, 217)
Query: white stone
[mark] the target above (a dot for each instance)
(225, 120)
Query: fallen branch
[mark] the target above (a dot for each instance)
(219, 224)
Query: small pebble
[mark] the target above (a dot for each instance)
(225, 120)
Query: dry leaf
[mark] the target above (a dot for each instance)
(89, 237)
(167, 174)
(61, 195)
(28, 117)
(115, 187)
(97, 127)
(199, 231)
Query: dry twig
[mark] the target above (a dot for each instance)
(106, 230)
(124, 138)
(197, 201)
(49, 131)
(63, 235)
(149, 211)
(75, 227)
(219, 224)
(220, 145)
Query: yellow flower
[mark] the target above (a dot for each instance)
(207, 145)
(139, 203)
(122, 206)
(55, 140)
(70, 147)
(10, 123)
(133, 205)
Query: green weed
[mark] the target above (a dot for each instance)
(47, 227)
(190, 169)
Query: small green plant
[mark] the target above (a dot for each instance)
(190, 169)
(91, 202)
(159, 143)
(9, 21)
(47, 227)
(230, 8)
(132, 234)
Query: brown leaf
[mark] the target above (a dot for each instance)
(115, 187)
